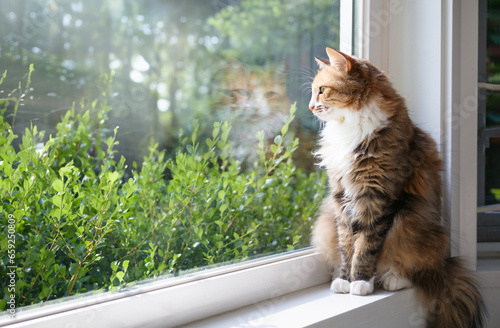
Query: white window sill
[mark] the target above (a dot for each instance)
(318, 307)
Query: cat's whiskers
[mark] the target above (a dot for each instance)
(306, 70)
(307, 75)
(306, 86)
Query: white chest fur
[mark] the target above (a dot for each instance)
(339, 137)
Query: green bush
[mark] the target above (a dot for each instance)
(81, 226)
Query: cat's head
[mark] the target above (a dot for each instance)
(342, 84)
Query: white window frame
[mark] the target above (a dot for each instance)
(175, 301)
(442, 42)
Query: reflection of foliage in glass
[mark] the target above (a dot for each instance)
(263, 31)
(493, 42)
(165, 55)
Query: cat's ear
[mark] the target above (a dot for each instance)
(322, 62)
(339, 60)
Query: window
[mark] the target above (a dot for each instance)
(489, 130)
(436, 61)
(164, 72)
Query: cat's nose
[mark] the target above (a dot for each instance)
(311, 107)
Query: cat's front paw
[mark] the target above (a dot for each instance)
(340, 286)
(393, 283)
(362, 287)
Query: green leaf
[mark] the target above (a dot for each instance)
(58, 185)
(198, 232)
(196, 125)
(72, 268)
(260, 135)
(45, 293)
(57, 201)
(296, 239)
(223, 208)
(5, 75)
(113, 176)
(222, 194)
(109, 142)
(216, 130)
(249, 201)
(67, 169)
(120, 275)
(284, 129)
(293, 109)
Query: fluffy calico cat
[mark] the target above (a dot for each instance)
(381, 223)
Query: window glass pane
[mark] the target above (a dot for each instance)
(492, 182)
(492, 109)
(493, 42)
(172, 189)
(493, 62)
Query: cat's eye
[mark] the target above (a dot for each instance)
(322, 90)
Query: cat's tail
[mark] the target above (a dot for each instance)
(451, 296)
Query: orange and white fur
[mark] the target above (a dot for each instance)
(381, 222)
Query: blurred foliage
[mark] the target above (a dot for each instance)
(169, 59)
(81, 225)
(268, 31)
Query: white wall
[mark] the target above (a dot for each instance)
(492, 299)
(415, 45)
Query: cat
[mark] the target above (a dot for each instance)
(381, 222)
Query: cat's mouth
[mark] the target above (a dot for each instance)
(320, 111)
(326, 113)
